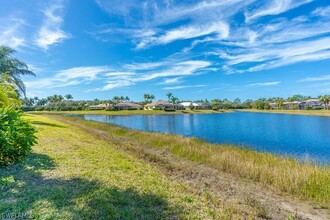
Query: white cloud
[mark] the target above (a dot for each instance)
(171, 81)
(69, 77)
(210, 27)
(175, 69)
(50, 32)
(274, 7)
(112, 78)
(34, 68)
(10, 33)
(144, 66)
(221, 29)
(265, 84)
(183, 87)
(314, 79)
(323, 11)
(273, 56)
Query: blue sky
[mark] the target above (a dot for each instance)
(194, 49)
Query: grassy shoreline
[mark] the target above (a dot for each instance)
(85, 168)
(292, 112)
(287, 175)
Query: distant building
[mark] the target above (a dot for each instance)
(163, 105)
(101, 106)
(292, 105)
(158, 105)
(128, 106)
(199, 105)
(312, 103)
(187, 105)
(273, 105)
(204, 105)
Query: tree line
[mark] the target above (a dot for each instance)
(66, 102)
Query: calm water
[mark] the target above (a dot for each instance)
(295, 135)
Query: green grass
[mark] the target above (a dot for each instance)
(90, 170)
(303, 180)
(71, 174)
(293, 112)
(131, 112)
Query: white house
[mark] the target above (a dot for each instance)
(187, 105)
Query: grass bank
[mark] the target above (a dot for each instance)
(71, 174)
(95, 170)
(132, 112)
(292, 112)
(286, 175)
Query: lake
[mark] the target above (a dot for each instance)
(303, 137)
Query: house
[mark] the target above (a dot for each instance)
(128, 106)
(187, 105)
(203, 105)
(311, 103)
(159, 105)
(292, 105)
(173, 107)
(163, 105)
(273, 105)
(101, 106)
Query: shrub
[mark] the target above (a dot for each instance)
(16, 136)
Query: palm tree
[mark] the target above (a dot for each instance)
(169, 95)
(148, 98)
(68, 96)
(174, 99)
(12, 68)
(326, 100)
(280, 102)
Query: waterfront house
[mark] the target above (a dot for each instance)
(158, 105)
(128, 106)
(163, 105)
(187, 105)
(203, 105)
(311, 103)
(173, 107)
(292, 105)
(273, 105)
(101, 106)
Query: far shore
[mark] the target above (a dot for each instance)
(178, 112)
(132, 112)
(292, 112)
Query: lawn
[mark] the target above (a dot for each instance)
(90, 170)
(72, 175)
(293, 112)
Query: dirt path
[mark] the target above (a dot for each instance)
(224, 190)
(229, 190)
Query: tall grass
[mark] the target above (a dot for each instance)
(286, 175)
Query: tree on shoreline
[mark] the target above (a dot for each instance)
(148, 98)
(68, 96)
(326, 100)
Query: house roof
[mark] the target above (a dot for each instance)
(187, 104)
(129, 104)
(102, 105)
(312, 100)
(159, 102)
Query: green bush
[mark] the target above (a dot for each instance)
(16, 136)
